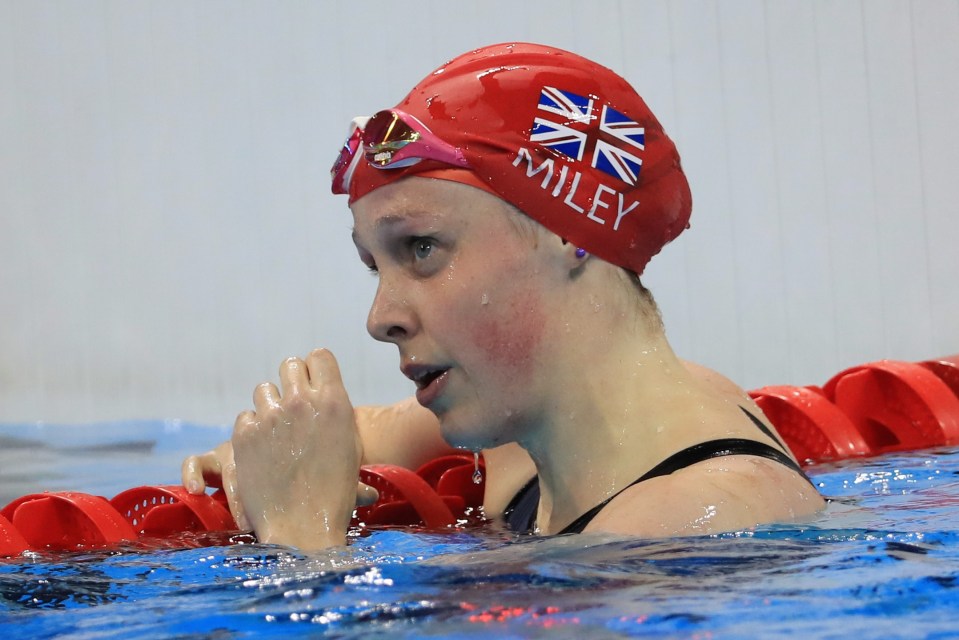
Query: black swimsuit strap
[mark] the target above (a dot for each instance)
(759, 423)
(520, 514)
(688, 457)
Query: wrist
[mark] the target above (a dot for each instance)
(305, 538)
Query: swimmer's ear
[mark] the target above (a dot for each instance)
(574, 257)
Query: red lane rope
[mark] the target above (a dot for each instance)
(866, 410)
(435, 497)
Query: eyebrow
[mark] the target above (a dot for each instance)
(389, 220)
(393, 219)
(385, 221)
(413, 215)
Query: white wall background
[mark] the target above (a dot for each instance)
(167, 235)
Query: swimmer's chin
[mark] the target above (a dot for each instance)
(470, 430)
(468, 440)
(468, 444)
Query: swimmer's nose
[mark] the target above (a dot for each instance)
(390, 318)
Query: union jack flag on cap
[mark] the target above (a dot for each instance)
(567, 124)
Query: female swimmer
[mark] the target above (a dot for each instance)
(508, 206)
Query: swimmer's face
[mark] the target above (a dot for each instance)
(467, 299)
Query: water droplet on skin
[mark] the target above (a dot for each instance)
(477, 474)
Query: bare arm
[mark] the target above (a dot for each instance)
(403, 434)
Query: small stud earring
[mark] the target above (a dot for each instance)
(580, 252)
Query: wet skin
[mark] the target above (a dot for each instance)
(464, 297)
(511, 339)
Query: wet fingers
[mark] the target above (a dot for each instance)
(191, 474)
(266, 397)
(294, 377)
(365, 495)
(323, 369)
(232, 497)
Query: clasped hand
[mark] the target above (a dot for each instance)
(290, 470)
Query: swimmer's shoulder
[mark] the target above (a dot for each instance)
(717, 383)
(717, 495)
(728, 393)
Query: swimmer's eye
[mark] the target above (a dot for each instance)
(421, 248)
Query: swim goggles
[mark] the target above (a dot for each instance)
(391, 139)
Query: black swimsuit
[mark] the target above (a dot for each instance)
(520, 514)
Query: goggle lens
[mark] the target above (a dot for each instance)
(390, 139)
(386, 134)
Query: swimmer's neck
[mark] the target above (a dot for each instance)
(579, 451)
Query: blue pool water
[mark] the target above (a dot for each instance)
(882, 562)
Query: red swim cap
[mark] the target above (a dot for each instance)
(565, 140)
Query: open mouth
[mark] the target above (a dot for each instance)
(424, 379)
